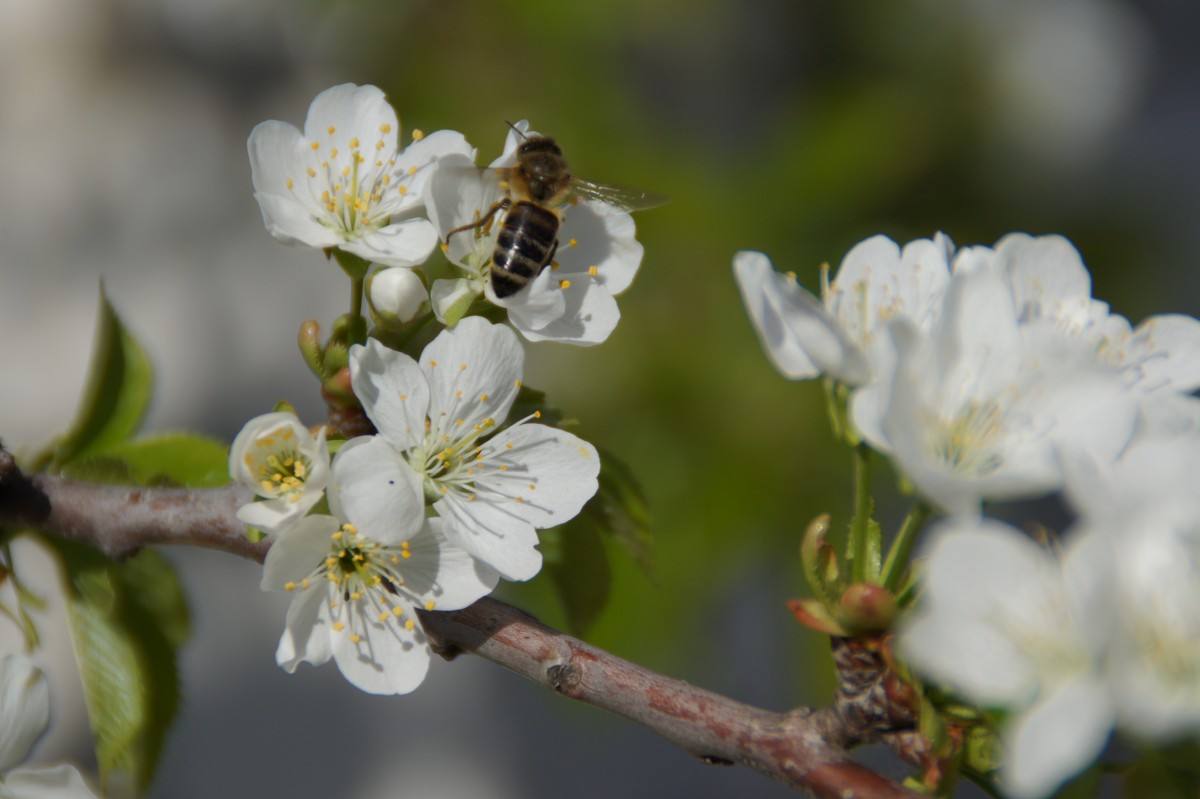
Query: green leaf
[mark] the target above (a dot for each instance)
(127, 622)
(168, 459)
(620, 510)
(580, 573)
(116, 393)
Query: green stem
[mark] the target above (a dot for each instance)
(861, 525)
(900, 553)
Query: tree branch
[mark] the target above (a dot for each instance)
(802, 748)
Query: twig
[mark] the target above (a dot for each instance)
(807, 750)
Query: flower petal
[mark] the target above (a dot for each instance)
(348, 110)
(45, 782)
(588, 317)
(24, 708)
(474, 373)
(393, 392)
(1056, 738)
(444, 574)
(605, 246)
(799, 335)
(550, 473)
(387, 658)
(407, 242)
(297, 550)
(492, 532)
(306, 632)
(377, 491)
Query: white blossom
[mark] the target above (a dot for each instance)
(440, 419)
(24, 716)
(839, 334)
(979, 406)
(570, 301)
(360, 576)
(345, 181)
(1007, 626)
(282, 462)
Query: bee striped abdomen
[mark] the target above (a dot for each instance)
(526, 243)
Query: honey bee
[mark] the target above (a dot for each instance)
(535, 189)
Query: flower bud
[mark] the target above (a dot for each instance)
(452, 299)
(395, 295)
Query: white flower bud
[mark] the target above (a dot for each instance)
(396, 294)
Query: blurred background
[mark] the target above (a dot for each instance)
(793, 127)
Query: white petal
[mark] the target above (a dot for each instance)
(604, 242)
(540, 303)
(474, 373)
(492, 532)
(396, 294)
(306, 632)
(278, 154)
(393, 392)
(799, 335)
(458, 194)
(407, 242)
(1056, 738)
(377, 491)
(589, 315)
(387, 658)
(24, 708)
(352, 111)
(552, 472)
(1167, 353)
(297, 551)
(45, 782)
(415, 165)
(439, 572)
(1048, 278)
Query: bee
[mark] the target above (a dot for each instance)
(535, 189)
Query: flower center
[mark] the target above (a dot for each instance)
(355, 188)
(281, 471)
(964, 442)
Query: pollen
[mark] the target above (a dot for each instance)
(290, 585)
(566, 284)
(537, 414)
(354, 142)
(338, 626)
(383, 615)
(333, 151)
(316, 146)
(385, 128)
(517, 383)
(412, 170)
(291, 184)
(430, 605)
(397, 611)
(418, 134)
(433, 363)
(572, 243)
(379, 145)
(483, 397)
(458, 394)
(508, 445)
(403, 190)
(332, 130)
(593, 271)
(519, 499)
(408, 625)
(355, 638)
(312, 173)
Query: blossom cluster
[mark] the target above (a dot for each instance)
(345, 182)
(991, 373)
(446, 495)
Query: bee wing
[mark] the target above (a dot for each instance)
(622, 198)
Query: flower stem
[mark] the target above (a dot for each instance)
(864, 544)
(901, 551)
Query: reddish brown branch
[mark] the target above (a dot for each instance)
(807, 750)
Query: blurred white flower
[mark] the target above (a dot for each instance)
(979, 406)
(570, 301)
(1145, 507)
(1006, 626)
(282, 462)
(24, 716)
(838, 335)
(440, 419)
(345, 182)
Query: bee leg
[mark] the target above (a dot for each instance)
(483, 220)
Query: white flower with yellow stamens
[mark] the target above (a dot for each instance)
(345, 182)
(282, 462)
(361, 575)
(439, 420)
